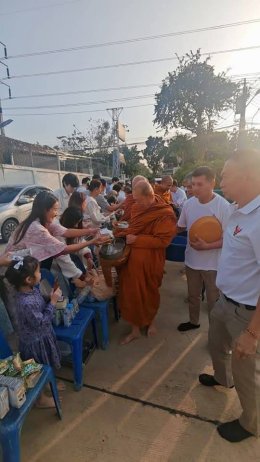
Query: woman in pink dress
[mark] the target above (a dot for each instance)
(40, 233)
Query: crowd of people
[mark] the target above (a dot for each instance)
(64, 229)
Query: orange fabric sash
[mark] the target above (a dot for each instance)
(141, 217)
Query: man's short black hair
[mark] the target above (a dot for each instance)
(96, 177)
(70, 180)
(117, 188)
(94, 184)
(115, 179)
(85, 180)
(204, 171)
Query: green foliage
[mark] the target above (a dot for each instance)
(95, 141)
(143, 170)
(154, 153)
(132, 158)
(193, 96)
(133, 165)
(252, 139)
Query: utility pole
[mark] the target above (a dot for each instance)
(241, 109)
(2, 130)
(115, 113)
(2, 123)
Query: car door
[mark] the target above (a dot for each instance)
(23, 210)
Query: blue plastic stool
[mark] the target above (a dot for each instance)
(11, 424)
(74, 335)
(101, 308)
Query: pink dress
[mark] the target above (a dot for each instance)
(41, 240)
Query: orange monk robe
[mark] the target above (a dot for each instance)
(165, 195)
(141, 277)
(127, 207)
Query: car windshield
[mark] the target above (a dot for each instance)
(8, 194)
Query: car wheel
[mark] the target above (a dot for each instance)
(8, 227)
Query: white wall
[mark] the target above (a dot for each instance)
(14, 174)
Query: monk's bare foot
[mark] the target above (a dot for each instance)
(151, 331)
(129, 338)
(45, 402)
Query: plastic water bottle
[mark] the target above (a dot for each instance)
(67, 315)
(75, 306)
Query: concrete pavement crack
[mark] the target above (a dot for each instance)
(150, 404)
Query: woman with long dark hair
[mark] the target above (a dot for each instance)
(78, 200)
(72, 218)
(39, 232)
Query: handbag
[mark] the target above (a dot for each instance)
(100, 289)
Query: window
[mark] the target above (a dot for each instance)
(30, 193)
(8, 194)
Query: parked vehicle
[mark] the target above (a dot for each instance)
(15, 205)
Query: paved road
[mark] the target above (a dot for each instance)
(2, 247)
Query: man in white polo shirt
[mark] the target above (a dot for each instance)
(235, 319)
(201, 258)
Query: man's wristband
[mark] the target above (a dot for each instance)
(252, 333)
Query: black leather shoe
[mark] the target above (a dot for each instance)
(233, 432)
(187, 326)
(209, 380)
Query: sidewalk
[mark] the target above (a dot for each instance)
(142, 402)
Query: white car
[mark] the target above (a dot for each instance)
(15, 205)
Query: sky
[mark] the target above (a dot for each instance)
(39, 25)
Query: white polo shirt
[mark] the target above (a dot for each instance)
(179, 197)
(239, 265)
(192, 210)
(63, 199)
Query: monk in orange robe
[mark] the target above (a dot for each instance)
(164, 189)
(127, 207)
(151, 229)
(129, 201)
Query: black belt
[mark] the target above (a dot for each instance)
(247, 307)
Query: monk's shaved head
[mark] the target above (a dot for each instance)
(138, 178)
(144, 194)
(167, 179)
(166, 182)
(144, 188)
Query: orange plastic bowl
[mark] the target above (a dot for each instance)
(207, 228)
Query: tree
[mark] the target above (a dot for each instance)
(95, 141)
(193, 96)
(181, 149)
(154, 153)
(132, 159)
(133, 162)
(252, 139)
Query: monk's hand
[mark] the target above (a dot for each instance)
(130, 238)
(245, 345)
(199, 244)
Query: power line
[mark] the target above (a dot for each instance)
(249, 77)
(84, 103)
(26, 10)
(87, 103)
(134, 40)
(78, 92)
(132, 63)
(128, 87)
(78, 112)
